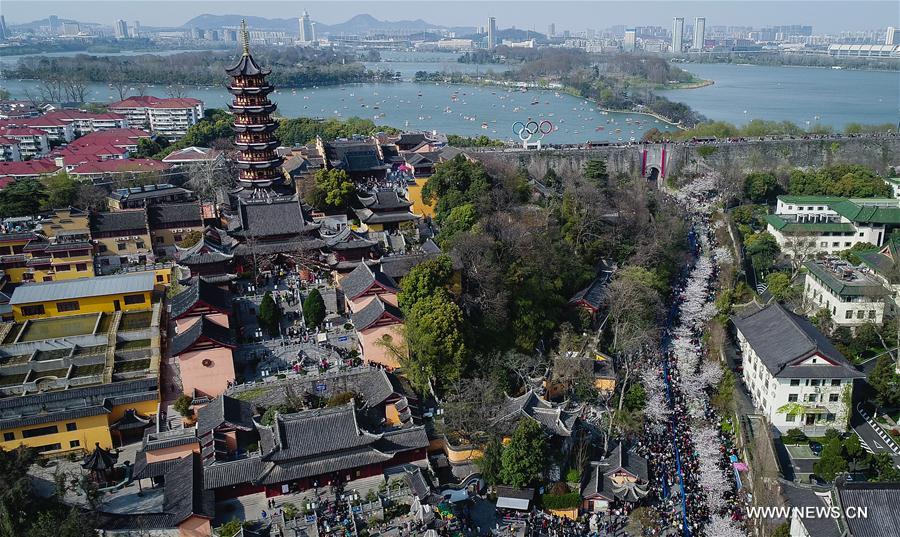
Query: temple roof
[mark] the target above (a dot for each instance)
(205, 328)
(599, 480)
(204, 251)
(362, 278)
(375, 310)
(246, 65)
(195, 292)
(551, 416)
(165, 215)
(347, 239)
(228, 411)
(384, 199)
(273, 217)
(99, 460)
(131, 420)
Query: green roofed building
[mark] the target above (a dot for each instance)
(852, 296)
(826, 224)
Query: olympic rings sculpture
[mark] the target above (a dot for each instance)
(526, 130)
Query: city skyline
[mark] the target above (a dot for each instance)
(824, 16)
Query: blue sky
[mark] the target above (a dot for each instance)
(825, 16)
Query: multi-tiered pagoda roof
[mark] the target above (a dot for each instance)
(259, 165)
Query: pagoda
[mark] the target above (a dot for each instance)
(259, 165)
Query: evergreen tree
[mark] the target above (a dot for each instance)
(524, 458)
(22, 198)
(314, 308)
(435, 338)
(269, 314)
(832, 461)
(491, 463)
(424, 280)
(595, 171)
(885, 381)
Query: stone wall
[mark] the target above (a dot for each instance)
(732, 160)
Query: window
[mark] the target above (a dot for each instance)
(160, 240)
(81, 267)
(871, 314)
(790, 417)
(9, 436)
(829, 417)
(28, 311)
(74, 443)
(103, 248)
(121, 246)
(134, 299)
(72, 426)
(178, 238)
(814, 382)
(63, 268)
(139, 244)
(48, 447)
(860, 313)
(835, 244)
(823, 244)
(812, 397)
(71, 305)
(835, 382)
(847, 244)
(792, 397)
(849, 314)
(40, 431)
(159, 278)
(833, 398)
(795, 382)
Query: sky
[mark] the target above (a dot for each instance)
(825, 16)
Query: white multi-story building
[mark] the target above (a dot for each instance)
(894, 183)
(33, 143)
(306, 30)
(9, 150)
(678, 35)
(795, 376)
(170, 118)
(822, 224)
(699, 33)
(851, 296)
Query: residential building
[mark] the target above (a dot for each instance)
(9, 150)
(851, 296)
(192, 156)
(68, 384)
(102, 294)
(678, 35)
(33, 143)
(892, 36)
(58, 131)
(122, 239)
(112, 171)
(28, 169)
(699, 33)
(66, 225)
(125, 138)
(170, 118)
(170, 223)
(136, 197)
(84, 122)
(121, 29)
(795, 376)
(807, 225)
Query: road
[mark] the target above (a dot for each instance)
(869, 438)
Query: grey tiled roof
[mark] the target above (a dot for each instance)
(371, 383)
(599, 478)
(800, 497)
(313, 432)
(551, 416)
(120, 221)
(201, 328)
(197, 291)
(224, 410)
(360, 279)
(384, 199)
(279, 217)
(167, 215)
(373, 311)
(781, 338)
(368, 216)
(347, 239)
(226, 474)
(139, 282)
(881, 499)
(593, 293)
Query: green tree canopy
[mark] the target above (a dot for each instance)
(763, 250)
(269, 314)
(491, 463)
(595, 171)
(761, 187)
(885, 381)
(314, 308)
(424, 280)
(454, 183)
(61, 191)
(524, 458)
(304, 130)
(847, 180)
(434, 335)
(832, 461)
(22, 198)
(460, 219)
(780, 286)
(333, 190)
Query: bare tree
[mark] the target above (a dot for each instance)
(209, 177)
(75, 88)
(470, 406)
(176, 91)
(799, 247)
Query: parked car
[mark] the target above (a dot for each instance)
(815, 447)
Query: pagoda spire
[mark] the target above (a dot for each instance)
(245, 37)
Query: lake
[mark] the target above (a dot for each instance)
(804, 95)
(448, 108)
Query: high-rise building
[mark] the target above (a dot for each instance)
(892, 37)
(121, 29)
(699, 33)
(198, 33)
(630, 39)
(254, 127)
(313, 26)
(551, 30)
(136, 29)
(306, 30)
(53, 21)
(492, 32)
(212, 35)
(231, 35)
(678, 34)
(3, 34)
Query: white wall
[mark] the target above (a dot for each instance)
(821, 296)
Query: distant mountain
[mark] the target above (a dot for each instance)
(34, 25)
(359, 25)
